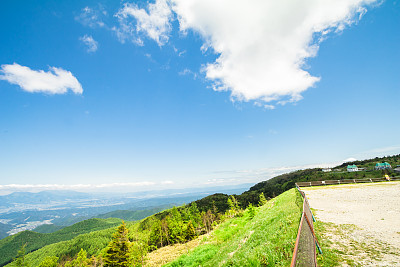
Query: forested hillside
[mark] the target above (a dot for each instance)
(134, 215)
(4, 228)
(10, 245)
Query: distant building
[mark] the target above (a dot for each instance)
(326, 170)
(352, 168)
(382, 166)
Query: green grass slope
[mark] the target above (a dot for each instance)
(10, 245)
(266, 240)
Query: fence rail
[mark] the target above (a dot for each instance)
(304, 253)
(346, 181)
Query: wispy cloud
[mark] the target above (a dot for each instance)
(384, 149)
(136, 22)
(91, 17)
(263, 105)
(54, 81)
(91, 44)
(380, 151)
(38, 187)
(258, 175)
(188, 72)
(178, 52)
(272, 131)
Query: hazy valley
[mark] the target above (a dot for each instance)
(21, 211)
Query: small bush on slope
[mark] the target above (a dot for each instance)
(266, 240)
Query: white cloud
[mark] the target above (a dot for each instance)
(91, 44)
(154, 23)
(91, 17)
(263, 45)
(55, 81)
(349, 160)
(123, 184)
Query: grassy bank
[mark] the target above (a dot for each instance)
(267, 239)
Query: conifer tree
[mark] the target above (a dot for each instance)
(138, 253)
(118, 250)
(215, 211)
(19, 261)
(230, 212)
(156, 238)
(233, 206)
(165, 230)
(80, 261)
(195, 215)
(175, 229)
(208, 219)
(190, 231)
(262, 200)
(49, 261)
(251, 210)
(185, 215)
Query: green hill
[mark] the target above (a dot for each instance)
(47, 228)
(92, 242)
(10, 245)
(134, 215)
(267, 239)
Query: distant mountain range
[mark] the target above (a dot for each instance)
(43, 197)
(21, 211)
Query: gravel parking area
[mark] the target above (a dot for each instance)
(373, 212)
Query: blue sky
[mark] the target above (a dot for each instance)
(180, 93)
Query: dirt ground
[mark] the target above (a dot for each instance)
(364, 220)
(167, 254)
